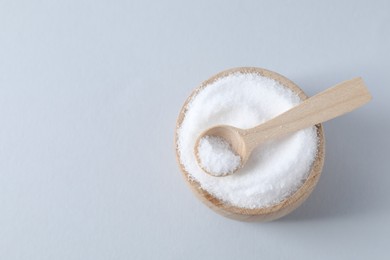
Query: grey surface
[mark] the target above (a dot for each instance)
(89, 95)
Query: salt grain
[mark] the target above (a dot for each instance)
(217, 156)
(276, 169)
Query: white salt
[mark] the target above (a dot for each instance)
(217, 156)
(275, 169)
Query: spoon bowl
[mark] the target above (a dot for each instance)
(231, 135)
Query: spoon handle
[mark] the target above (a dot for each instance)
(333, 102)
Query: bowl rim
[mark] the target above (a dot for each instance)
(266, 213)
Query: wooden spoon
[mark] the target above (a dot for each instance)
(333, 102)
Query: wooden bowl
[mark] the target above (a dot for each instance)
(258, 214)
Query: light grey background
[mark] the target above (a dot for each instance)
(89, 95)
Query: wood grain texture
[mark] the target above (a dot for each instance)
(258, 214)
